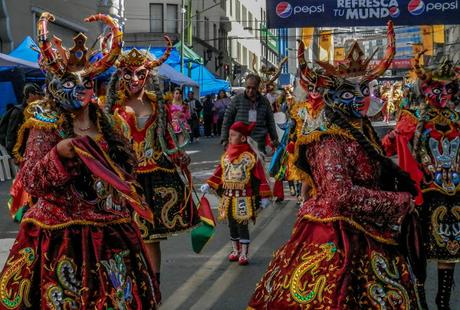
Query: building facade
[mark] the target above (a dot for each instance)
(18, 19)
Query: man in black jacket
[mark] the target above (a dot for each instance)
(14, 118)
(250, 107)
(195, 110)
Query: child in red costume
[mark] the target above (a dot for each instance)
(240, 180)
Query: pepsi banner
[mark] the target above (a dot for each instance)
(347, 13)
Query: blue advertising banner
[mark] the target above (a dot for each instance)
(346, 13)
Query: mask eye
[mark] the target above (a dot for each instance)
(436, 91)
(347, 95)
(127, 76)
(365, 91)
(310, 88)
(141, 76)
(69, 84)
(88, 84)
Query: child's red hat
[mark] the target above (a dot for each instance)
(242, 128)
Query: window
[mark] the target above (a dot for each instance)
(206, 29)
(231, 7)
(156, 17)
(244, 17)
(215, 34)
(256, 24)
(223, 5)
(245, 56)
(197, 24)
(238, 52)
(238, 11)
(171, 18)
(250, 22)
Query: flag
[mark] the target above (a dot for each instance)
(427, 39)
(339, 53)
(203, 232)
(325, 42)
(438, 33)
(307, 36)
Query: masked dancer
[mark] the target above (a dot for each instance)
(78, 247)
(427, 145)
(342, 253)
(141, 116)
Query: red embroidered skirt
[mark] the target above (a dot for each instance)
(78, 267)
(334, 266)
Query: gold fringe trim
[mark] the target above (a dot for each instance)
(76, 223)
(213, 185)
(172, 170)
(30, 124)
(352, 223)
(234, 185)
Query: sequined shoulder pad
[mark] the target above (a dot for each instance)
(40, 115)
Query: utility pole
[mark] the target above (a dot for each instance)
(189, 33)
(182, 37)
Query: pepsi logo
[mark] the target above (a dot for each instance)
(394, 11)
(284, 9)
(416, 7)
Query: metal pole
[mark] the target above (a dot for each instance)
(182, 37)
(266, 43)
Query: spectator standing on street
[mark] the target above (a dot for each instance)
(14, 118)
(195, 108)
(220, 106)
(251, 106)
(208, 112)
(179, 115)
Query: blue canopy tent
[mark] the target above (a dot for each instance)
(208, 83)
(15, 70)
(27, 50)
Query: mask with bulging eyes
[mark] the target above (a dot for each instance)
(134, 79)
(71, 91)
(351, 96)
(439, 93)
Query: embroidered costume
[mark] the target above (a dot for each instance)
(342, 253)
(434, 137)
(159, 155)
(241, 181)
(77, 247)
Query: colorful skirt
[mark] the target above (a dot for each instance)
(239, 209)
(171, 201)
(334, 266)
(78, 267)
(440, 216)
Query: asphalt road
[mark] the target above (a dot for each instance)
(208, 280)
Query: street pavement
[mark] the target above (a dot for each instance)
(207, 280)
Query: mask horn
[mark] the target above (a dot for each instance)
(388, 57)
(421, 74)
(158, 62)
(49, 59)
(108, 59)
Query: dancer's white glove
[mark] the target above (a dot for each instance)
(265, 202)
(205, 188)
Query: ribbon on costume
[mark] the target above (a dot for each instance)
(100, 164)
